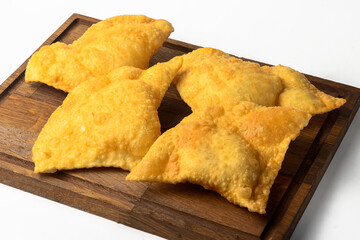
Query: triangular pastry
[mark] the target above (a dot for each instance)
(236, 151)
(210, 77)
(108, 121)
(128, 40)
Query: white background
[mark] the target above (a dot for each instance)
(321, 38)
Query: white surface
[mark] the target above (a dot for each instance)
(316, 37)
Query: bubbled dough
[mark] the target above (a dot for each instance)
(236, 152)
(210, 77)
(128, 40)
(106, 121)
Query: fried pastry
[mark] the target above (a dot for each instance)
(210, 77)
(128, 40)
(108, 121)
(235, 151)
(299, 93)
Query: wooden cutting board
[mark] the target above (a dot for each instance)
(182, 211)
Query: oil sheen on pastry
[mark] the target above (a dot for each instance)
(128, 40)
(236, 152)
(109, 121)
(210, 77)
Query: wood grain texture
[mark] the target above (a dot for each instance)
(182, 211)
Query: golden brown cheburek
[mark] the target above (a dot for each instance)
(108, 121)
(210, 77)
(128, 40)
(234, 151)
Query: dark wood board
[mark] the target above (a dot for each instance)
(182, 211)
